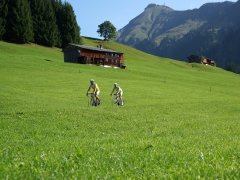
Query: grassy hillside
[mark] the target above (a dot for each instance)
(180, 120)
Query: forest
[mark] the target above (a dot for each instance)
(45, 22)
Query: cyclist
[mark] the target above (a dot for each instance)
(119, 93)
(95, 88)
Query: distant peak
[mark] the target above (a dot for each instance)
(151, 6)
(216, 4)
(161, 7)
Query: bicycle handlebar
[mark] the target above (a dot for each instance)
(90, 93)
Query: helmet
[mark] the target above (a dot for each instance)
(91, 80)
(115, 84)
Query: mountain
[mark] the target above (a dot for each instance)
(213, 30)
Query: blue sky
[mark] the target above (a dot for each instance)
(91, 13)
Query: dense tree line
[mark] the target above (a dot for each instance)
(3, 15)
(45, 22)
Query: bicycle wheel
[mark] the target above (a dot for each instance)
(90, 101)
(114, 100)
(122, 102)
(98, 102)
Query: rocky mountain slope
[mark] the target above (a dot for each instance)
(213, 30)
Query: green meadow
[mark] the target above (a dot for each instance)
(180, 120)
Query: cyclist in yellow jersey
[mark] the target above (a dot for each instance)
(95, 88)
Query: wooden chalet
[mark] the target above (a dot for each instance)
(201, 60)
(93, 55)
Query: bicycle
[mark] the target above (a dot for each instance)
(93, 101)
(117, 100)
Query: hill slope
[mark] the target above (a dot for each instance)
(180, 120)
(212, 30)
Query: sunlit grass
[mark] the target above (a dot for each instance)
(180, 120)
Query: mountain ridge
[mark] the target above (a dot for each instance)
(208, 31)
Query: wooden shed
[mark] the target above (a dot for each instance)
(201, 59)
(93, 55)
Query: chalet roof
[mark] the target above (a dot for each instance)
(94, 48)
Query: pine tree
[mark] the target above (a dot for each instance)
(44, 23)
(57, 7)
(3, 16)
(19, 22)
(70, 31)
(37, 7)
